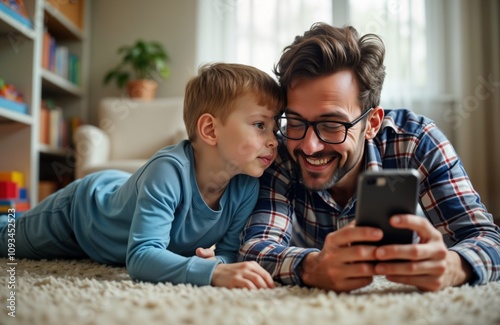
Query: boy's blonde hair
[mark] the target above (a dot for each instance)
(219, 85)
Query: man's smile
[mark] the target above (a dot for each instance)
(318, 161)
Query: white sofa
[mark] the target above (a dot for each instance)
(129, 133)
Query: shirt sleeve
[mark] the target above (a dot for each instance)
(266, 237)
(242, 199)
(454, 207)
(147, 256)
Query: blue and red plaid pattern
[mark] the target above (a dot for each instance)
(289, 221)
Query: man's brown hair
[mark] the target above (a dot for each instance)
(324, 50)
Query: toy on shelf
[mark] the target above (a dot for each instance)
(13, 194)
(11, 98)
(10, 92)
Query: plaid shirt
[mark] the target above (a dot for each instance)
(289, 221)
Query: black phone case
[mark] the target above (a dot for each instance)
(382, 194)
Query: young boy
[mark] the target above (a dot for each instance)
(185, 199)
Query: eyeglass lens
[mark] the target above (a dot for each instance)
(296, 129)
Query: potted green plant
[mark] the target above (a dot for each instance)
(141, 64)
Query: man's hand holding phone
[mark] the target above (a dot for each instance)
(428, 264)
(340, 265)
(344, 265)
(411, 251)
(404, 247)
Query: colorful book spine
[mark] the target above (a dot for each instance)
(58, 59)
(44, 125)
(74, 69)
(16, 10)
(46, 50)
(55, 132)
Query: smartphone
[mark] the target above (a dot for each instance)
(382, 194)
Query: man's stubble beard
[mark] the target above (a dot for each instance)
(337, 175)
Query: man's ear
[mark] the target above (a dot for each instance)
(374, 122)
(206, 129)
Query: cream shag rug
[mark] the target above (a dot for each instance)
(84, 292)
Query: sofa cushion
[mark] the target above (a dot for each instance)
(138, 129)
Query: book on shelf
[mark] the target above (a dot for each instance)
(56, 131)
(74, 69)
(44, 125)
(51, 117)
(58, 59)
(62, 59)
(13, 105)
(17, 10)
(46, 49)
(18, 6)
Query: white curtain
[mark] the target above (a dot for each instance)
(473, 31)
(254, 32)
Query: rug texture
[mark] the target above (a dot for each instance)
(84, 292)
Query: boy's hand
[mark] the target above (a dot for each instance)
(207, 253)
(248, 275)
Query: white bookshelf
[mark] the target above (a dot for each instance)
(21, 65)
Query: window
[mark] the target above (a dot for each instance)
(255, 32)
(402, 27)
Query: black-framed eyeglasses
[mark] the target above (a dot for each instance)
(332, 132)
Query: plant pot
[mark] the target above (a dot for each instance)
(143, 89)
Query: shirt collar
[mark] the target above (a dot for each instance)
(373, 161)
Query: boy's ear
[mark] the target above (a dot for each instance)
(206, 129)
(374, 122)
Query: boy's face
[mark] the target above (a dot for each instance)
(246, 141)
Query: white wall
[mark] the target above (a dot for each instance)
(115, 23)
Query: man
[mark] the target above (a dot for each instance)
(333, 129)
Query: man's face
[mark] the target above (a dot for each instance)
(329, 98)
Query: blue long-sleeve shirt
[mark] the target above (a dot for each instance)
(290, 221)
(153, 220)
